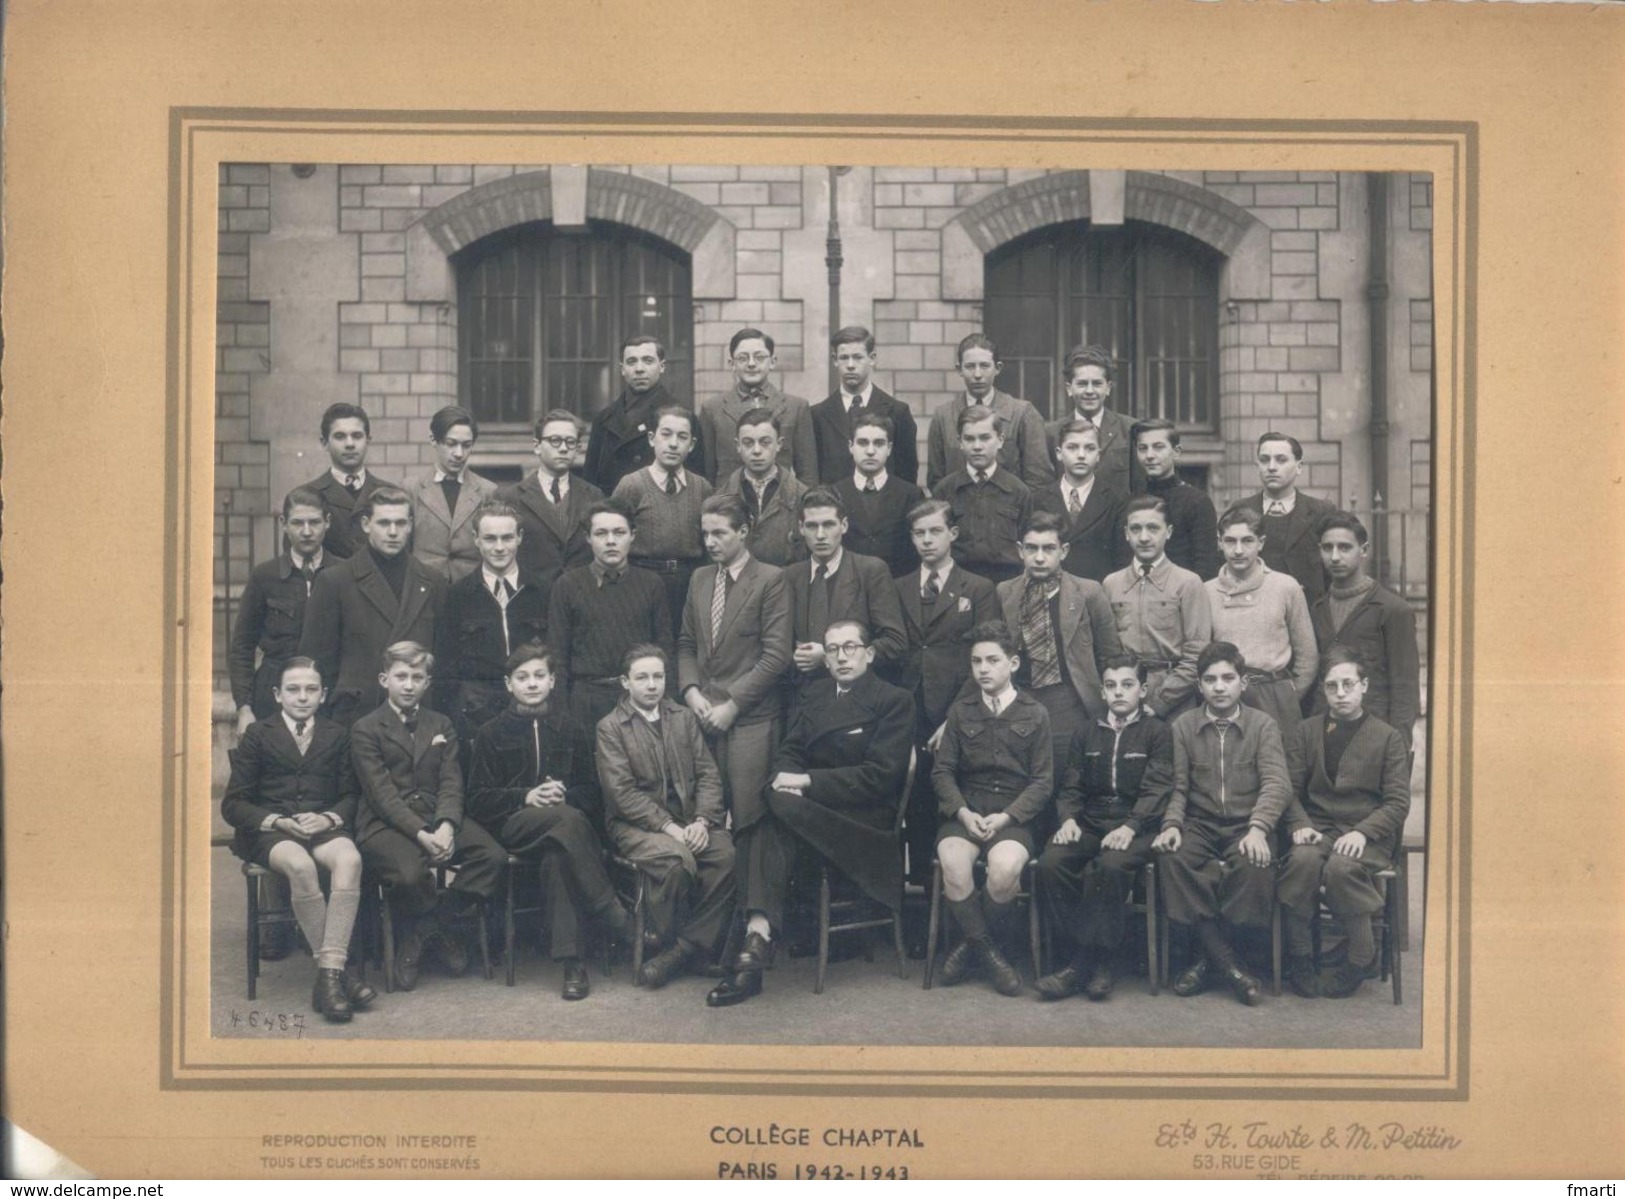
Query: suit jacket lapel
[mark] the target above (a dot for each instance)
(372, 585)
(414, 594)
(843, 597)
(1071, 608)
(1093, 509)
(738, 595)
(947, 598)
(468, 499)
(545, 508)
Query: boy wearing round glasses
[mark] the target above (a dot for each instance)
(752, 357)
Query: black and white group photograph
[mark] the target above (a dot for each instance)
(821, 604)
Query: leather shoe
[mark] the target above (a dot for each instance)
(957, 965)
(357, 992)
(1246, 987)
(1068, 980)
(328, 996)
(408, 961)
(1101, 982)
(1193, 980)
(453, 954)
(1342, 980)
(576, 983)
(1301, 976)
(664, 966)
(276, 941)
(734, 989)
(756, 956)
(1005, 978)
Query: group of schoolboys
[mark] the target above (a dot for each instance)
(727, 663)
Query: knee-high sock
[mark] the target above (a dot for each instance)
(998, 918)
(310, 910)
(335, 943)
(968, 913)
(1362, 946)
(1215, 944)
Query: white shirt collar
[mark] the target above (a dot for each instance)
(832, 566)
(314, 561)
(1004, 698)
(651, 717)
(339, 476)
(310, 722)
(759, 484)
(1287, 502)
(660, 474)
(941, 572)
(738, 567)
(400, 715)
(860, 480)
(862, 397)
(545, 481)
(1083, 490)
(441, 476)
(511, 574)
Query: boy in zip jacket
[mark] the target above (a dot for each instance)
(1230, 788)
(1116, 784)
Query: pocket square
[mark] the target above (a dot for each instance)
(853, 732)
(439, 739)
(964, 604)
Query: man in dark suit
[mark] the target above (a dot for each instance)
(411, 815)
(553, 503)
(854, 350)
(271, 613)
(836, 787)
(832, 585)
(488, 615)
(345, 486)
(941, 602)
(379, 596)
(1088, 376)
(1291, 517)
(1091, 509)
(1351, 792)
(877, 501)
(731, 654)
(619, 441)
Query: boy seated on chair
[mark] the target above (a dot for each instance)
(1230, 789)
(1351, 791)
(411, 822)
(531, 783)
(1116, 785)
(994, 775)
(292, 800)
(663, 795)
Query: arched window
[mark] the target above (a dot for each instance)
(1149, 295)
(542, 312)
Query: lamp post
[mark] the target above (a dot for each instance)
(832, 259)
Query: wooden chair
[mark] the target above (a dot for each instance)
(860, 912)
(1148, 905)
(1386, 926)
(512, 908)
(386, 927)
(1275, 946)
(259, 920)
(933, 926)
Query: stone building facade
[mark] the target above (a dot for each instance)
(344, 283)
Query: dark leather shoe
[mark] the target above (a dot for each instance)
(1005, 978)
(576, 983)
(663, 967)
(276, 941)
(357, 992)
(328, 996)
(1246, 987)
(1301, 976)
(756, 956)
(735, 989)
(1068, 980)
(1342, 980)
(1192, 980)
(408, 961)
(956, 966)
(1101, 981)
(452, 953)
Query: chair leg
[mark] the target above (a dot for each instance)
(1275, 948)
(1034, 935)
(509, 933)
(386, 927)
(1402, 883)
(823, 930)
(1392, 945)
(897, 936)
(933, 924)
(639, 927)
(1165, 942)
(1153, 967)
(485, 941)
(253, 935)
